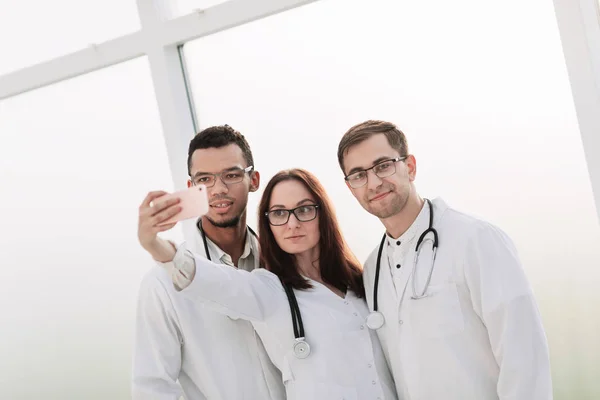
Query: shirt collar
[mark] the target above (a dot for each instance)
(250, 249)
(419, 224)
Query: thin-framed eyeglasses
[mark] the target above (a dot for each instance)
(382, 169)
(229, 176)
(281, 216)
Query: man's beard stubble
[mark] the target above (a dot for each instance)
(230, 223)
(395, 207)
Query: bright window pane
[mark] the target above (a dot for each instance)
(32, 31)
(76, 160)
(488, 112)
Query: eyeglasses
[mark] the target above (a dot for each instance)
(303, 213)
(228, 177)
(382, 169)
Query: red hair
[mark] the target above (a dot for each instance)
(338, 265)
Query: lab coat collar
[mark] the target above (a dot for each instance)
(419, 224)
(250, 247)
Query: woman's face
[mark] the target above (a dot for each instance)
(301, 231)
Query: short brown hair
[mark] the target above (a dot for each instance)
(363, 131)
(337, 264)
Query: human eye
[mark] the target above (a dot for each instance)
(384, 166)
(233, 174)
(357, 176)
(203, 179)
(279, 213)
(306, 209)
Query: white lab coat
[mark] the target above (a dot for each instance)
(346, 361)
(181, 344)
(478, 335)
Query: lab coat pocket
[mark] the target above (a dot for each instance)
(439, 314)
(323, 391)
(286, 372)
(308, 385)
(287, 377)
(329, 391)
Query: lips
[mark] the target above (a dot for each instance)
(221, 206)
(379, 196)
(295, 237)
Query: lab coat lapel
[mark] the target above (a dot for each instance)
(425, 256)
(386, 281)
(406, 275)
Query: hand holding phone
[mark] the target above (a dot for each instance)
(193, 202)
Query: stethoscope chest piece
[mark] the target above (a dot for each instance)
(301, 348)
(375, 320)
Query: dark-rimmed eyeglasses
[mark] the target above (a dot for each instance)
(281, 216)
(229, 176)
(382, 169)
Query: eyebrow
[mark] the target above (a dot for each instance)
(377, 161)
(212, 173)
(297, 204)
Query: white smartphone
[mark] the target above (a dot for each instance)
(194, 203)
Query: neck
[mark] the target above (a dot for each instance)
(308, 264)
(231, 239)
(397, 224)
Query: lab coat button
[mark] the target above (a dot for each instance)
(398, 243)
(362, 327)
(374, 382)
(370, 365)
(400, 322)
(355, 314)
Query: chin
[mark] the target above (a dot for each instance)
(223, 221)
(294, 249)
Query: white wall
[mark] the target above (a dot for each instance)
(480, 89)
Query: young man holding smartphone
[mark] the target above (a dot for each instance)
(181, 347)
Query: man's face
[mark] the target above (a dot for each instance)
(382, 197)
(227, 201)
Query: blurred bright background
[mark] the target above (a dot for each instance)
(480, 88)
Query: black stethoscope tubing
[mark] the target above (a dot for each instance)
(430, 229)
(301, 348)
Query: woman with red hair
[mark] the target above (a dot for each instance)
(307, 303)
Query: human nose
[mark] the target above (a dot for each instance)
(373, 181)
(219, 187)
(293, 221)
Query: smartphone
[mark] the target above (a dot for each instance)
(194, 203)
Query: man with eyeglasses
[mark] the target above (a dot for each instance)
(448, 296)
(181, 347)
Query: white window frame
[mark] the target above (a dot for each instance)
(161, 36)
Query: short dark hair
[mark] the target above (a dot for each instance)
(217, 137)
(363, 131)
(338, 265)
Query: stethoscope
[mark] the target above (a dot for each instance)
(375, 320)
(300, 348)
(199, 225)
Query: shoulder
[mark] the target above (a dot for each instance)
(268, 278)
(156, 283)
(475, 237)
(470, 227)
(370, 263)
